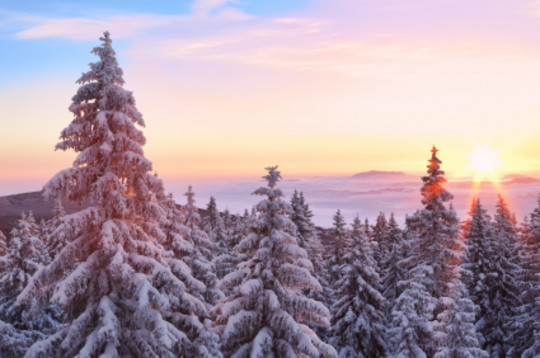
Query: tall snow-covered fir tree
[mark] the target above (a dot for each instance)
(308, 238)
(461, 339)
(117, 291)
(24, 258)
(393, 268)
(338, 247)
(26, 254)
(265, 316)
(358, 328)
(224, 260)
(437, 250)
(502, 284)
(437, 231)
(526, 325)
(491, 283)
(199, 260)
(301, 216)
(3, 244)
(213, 226)
(179, 248)
(379, 233)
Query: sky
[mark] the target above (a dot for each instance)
(320, 87)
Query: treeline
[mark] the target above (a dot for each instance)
(136, 275)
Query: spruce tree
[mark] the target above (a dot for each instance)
(379, 233)
(411, 333)
(461, 339)
(24, 258)
(301, 216)
(393, 269)
(213, 217)
(3, 244)
(308, 238)
(306, 234)
(436, 245)
(491, 282)
(118, 293)
(526, 325)
(224, 260)
(213, 226)
(265, 315)
(339, 246)
(14, 342)
(503, 283)
(358, 328)
(535, 225)
(199, 260)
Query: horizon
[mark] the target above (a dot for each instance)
(366, 196)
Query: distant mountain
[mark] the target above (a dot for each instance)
(518, 179)
(377, 174)
(12, 206)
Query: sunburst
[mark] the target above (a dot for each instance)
(484, 162)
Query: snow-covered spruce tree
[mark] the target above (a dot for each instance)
(212, 221)
(411, 332)
(358, 328)
(503, 281)
(301, 216)
(367, 228)
(3, 244)
(379, 233)
(117, 291)
(307, 237)
(24, 258)
(437, 233)
(436, 245)
(224, 260)
(199, 260)
(527, 320)
(174, 229)
(213, 226)
(461, 339)
(393, 268)
(535, 225)
(179, 248)
(489, 283)
(14, 342)
(339, 246)
(359, 239)
(265, 315)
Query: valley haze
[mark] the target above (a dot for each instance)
(365, 193)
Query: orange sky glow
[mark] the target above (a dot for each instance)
(316, 91)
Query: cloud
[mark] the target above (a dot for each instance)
(207, 7)
(88, 29)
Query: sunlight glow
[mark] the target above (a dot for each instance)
(483, 162)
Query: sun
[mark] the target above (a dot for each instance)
(484, 162)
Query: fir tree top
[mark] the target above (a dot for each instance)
(434, 195)
(110, 168)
